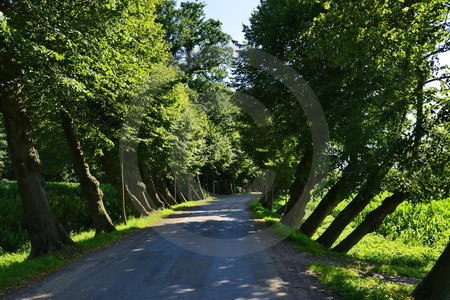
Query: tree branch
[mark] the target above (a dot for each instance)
(438, 79)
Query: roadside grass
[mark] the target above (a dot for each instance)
(17, 271)
(272, 219)
(351, 285)
(374, 254)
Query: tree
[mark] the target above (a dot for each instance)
(45, 232)
(89, 184)
(436, 284)
(366, 80)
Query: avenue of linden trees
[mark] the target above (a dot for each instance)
(145, 153)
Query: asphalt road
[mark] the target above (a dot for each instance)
(208, 252)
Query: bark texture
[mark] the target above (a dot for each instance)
(436, 285)
(150, 186)
(164, 191)
(371, 222)
(357, 205)
(299, 193)
(45, 232)
(90, 186)
(200, 189)
(108, 165)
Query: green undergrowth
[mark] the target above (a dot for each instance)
(17, 271)
(384, 252)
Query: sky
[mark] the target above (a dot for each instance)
(232, 14)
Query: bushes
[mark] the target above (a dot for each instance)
(65, 201)
(419, 224)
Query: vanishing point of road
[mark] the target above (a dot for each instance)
(210, 251)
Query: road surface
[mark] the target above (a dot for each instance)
(207, 252)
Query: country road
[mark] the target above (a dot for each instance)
(207, 252)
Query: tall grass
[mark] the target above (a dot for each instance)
(408, 243)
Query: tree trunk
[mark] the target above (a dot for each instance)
(436, 285)
(301, 176)
(45, 231)
(371, 222)
(299, 193)
(180, 197)
(133, 180)
(142, 212)
(282, 210)
(267, 200)
(150, 186)
(200, 190)
(89, 184)
(325, 207)
(357, 205)
(196, 194)
(108, 161)
(138, 190)
(164, 191)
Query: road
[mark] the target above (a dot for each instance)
(207, 252)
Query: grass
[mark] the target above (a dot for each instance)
(384, 253)
(17, 271)
(350, 284)
(302, 242)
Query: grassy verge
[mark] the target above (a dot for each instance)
(351, 285)
(375, 253)
(17, 271)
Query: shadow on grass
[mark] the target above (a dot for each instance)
(272, 219)
(349, 284)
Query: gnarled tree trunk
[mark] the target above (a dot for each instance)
(357, 205)
(436, 285)
(45, 232)
(150, 186)
(200, 189)
(164, 191)
(108, 161)
(89, 184)
(299, 193)
(325, 207)
(371, 222)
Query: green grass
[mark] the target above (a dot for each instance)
(351, 285)
(17, 271)
(300, 240)
(384, 252)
